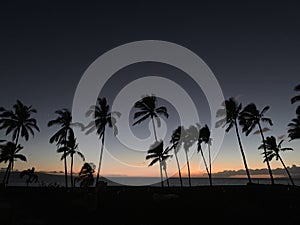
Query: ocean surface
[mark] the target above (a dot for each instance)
(46, 179)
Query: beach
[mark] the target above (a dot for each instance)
(233, 204)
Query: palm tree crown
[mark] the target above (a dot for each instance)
(296, 98)
(148, 109)
(294, 128)
(19, 121)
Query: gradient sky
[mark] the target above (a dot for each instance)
(252, 49)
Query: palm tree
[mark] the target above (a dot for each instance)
(9, 153)
(230, 114)
(64, 120)
(204, 137)
(18, 121)
(251, 117)
(148, 109)
(294, 128)
(70, 149)
(86, 177)
(273, 151)
(158, 154)
(101, 118)
(175, 145)
(31, 176)
(296, 98)
(189, 137)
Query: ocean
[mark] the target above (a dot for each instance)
(46, 179)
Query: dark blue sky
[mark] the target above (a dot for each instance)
(251, 47)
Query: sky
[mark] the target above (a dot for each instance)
(252, 48)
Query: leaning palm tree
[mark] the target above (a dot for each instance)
(230, 114)
(9, 153)
(176, 142)
(204, 137)
(296, 98)
(19, 121)
(189, 137)
(102, 117)
(294, 128)
(251, 117)
(273, 151)
(70, 148)
(64, 121)
(31, 176)
(157, 154)
(148, 109)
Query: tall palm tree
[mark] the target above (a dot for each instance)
(230, 114)
(204, 137)
(70, 148)
(294, 128)
(31, 176)
(157, 154)
(296, 98)
(251, 117)
(175, 145)
(148, 109)
(64, 121)
(19, 121)
(189, 137)
(273, 151)
(9, 153)
(102, 117)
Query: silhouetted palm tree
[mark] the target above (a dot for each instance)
(64, 120)
(158, 154)
(296, 98)
(231, 112)
(251, 117)
(70, 149)
(9, 153)
(175, 145)
(31, 176)
(204, 137)
(294, 128)
(18, 121)
(273, 151)
(189, 137)
(86, 177)
(148, 109)
(102, 117)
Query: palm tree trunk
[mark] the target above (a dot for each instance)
(100, 158)
(205, 164)
(188, 167)
(166, 174)
(209, 159)
(6, 174)
(154, 129)
(72, 161)
(65, 160)
(242, 151)
(17, 137)
(161, 174)
(265, 152)
(11, 166)
(179, 172)
(287, 171)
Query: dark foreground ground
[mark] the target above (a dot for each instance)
(257, 204)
